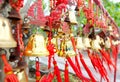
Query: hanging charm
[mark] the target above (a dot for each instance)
(36, 46)
(72, 17)
(9, 75)
(6, 38)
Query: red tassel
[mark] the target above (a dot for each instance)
(106, 57)
(57, 71)
(86, 68)
(73, 43)
(37, 70)
(52, 50)
(96, 64)
(76, 59)
(77, 64)
(50, 77)
(66, 73)
(115, 56)
(114, 52)
(101, 68)
(76, 70)
(92, 60)
(10, 76)
(47, 78)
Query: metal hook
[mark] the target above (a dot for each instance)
(37, 59)
(3, 51)
(11, 50)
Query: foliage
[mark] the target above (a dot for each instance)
(113, 9)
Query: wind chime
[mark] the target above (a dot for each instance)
(16, 45)
(62, 41)
(7, 41)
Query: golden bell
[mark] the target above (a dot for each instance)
(80, 44)
(115, 42)
(69, 48)
(67, 19)
(21, 75)
(61, 48)
(107, 42)
(14, 15)
(72, 17)
(36, 46)
(6, 38)
(110, 28)
(25, 26)
(96, 43)
(86, 42)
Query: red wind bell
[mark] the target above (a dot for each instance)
(9, 75)
(35, 12)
